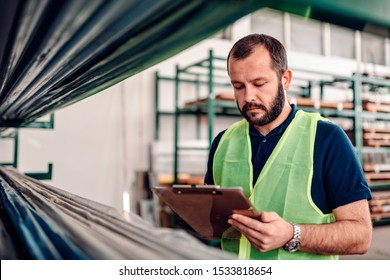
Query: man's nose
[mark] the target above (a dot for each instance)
(250, 94)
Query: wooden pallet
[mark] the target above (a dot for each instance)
(183, 178)
(219, 96)
(376, 130)
(376, 167)
(376, 143)
(379, 202)
(376, 136)
(378, 217)
(382, 176)
(376, 107)
(305, 102)
(308, 102)
(380, 205)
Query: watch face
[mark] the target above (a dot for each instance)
(293, 246)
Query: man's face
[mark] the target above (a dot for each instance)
(258, 90)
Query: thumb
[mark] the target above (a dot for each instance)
(267, 217)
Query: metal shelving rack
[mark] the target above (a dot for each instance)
(14, 137)
(212, 107)
(358, 115)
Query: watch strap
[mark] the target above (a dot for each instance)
(294, 244)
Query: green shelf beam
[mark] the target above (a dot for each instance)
(379, 186)
(176, 128)
(14, 136)
(209, 109)
(42, 175)
(157, 112)
(211, 99)
(381, 222)
(375, 150)
(330, 112)
(193, 148)
(358, 122)
(375, 115)
(214, 107)
(191, 81)
(40, 124)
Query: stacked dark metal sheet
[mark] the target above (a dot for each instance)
(56, 52)
(42, 222)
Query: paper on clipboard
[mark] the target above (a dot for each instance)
(205, 208)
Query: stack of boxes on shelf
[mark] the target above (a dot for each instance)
(380, 206)
(359, 104)
(372, 124)
(376, 133)
(376, 99)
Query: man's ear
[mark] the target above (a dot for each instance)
(286, 79)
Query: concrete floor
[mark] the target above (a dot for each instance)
(380, 246)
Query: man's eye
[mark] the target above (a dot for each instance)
(259, 85)
(238, 87)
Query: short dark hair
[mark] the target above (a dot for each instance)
(244, 47)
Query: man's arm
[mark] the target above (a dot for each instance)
(350, 234)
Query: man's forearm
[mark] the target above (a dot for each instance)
(339, 238)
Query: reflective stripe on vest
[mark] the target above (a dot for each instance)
(283, 186)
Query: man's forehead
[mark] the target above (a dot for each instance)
(259, 55)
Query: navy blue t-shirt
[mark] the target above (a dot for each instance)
(338, 178)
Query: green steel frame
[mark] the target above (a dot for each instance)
(40, 124)
(14, 136)
(210, 109)
(358, 115)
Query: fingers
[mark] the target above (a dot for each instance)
(244, 219)
(251, 228)
(252, 221)
(268, 217)
(245, 223)
(265, 233)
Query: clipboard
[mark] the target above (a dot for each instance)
(205, 208)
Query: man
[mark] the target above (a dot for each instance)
(299, 170)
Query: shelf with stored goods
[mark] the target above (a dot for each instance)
(371, 135)
(347, 101)
(211, 97)
(201, 93)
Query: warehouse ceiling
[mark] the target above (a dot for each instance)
(54, 53)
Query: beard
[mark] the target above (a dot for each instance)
(270, 113)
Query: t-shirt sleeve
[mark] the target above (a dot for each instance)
(342, 175)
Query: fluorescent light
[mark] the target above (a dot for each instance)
(126, 201)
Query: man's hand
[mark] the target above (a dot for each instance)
(267, 232)
(351, 233)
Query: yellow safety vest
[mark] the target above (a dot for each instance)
(283, 186)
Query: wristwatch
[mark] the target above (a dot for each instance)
(294, 244)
